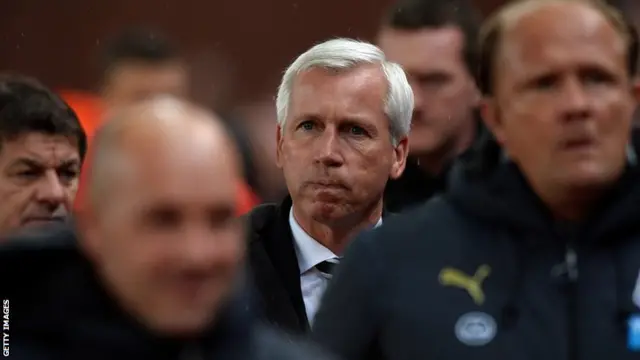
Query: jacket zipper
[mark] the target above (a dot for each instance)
(571, 261)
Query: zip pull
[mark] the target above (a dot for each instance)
(571, 262)
(568, 269)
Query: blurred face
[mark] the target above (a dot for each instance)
(166, 240)
(563, 102)
(336, 149)
(445, 93)
(38, 179)
(130, 82)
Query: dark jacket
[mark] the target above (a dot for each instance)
(483, 272)
(416, 186)
(413, 188)
(274, 267)
(59, 310)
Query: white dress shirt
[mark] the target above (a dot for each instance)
(311, 253)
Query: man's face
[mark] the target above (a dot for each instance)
(166, 238)
(132, 81)
(38, 179)
(444, 91)
(336, 149)
(563, 103)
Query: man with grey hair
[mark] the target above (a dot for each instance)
(343, 115)
(153, 269)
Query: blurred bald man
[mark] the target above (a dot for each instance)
(155, 269)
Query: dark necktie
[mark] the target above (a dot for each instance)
(328, 266)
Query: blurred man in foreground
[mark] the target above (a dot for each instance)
(155, 271)
(435, 43)
(535, 251)
(343, 117)
(41, 149)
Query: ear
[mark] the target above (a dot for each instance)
(279, 140)
(400, 158)
(492, 120)
(474, 93)
(635, 89)
(476, 96)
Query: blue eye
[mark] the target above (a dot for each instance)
(307, 125)
(357, 130)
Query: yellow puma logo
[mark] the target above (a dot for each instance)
(473, 284)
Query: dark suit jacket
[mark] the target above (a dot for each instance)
(273, 267)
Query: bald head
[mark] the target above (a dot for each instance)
(559, 98)
(159, 136)
(561, 17)
(161, 228)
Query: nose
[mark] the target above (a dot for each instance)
(196, 245)
(575, 101)
(51, 190)
(327, 151)
(202, 249)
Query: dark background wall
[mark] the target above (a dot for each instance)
(239, 48)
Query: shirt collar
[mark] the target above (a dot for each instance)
(309, 251)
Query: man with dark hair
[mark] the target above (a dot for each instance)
(434, 41)
(534, 250)
(139, 63)
(41, 149)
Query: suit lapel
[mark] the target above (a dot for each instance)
(387, 215)
(278, 275)
(275, 266)
(285, 260)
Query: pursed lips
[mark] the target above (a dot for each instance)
(327, 185)
(579, 142)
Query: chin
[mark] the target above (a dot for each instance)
(592, 178)
(183, 325)
(326, 211)
(424, 147)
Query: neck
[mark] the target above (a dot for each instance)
(435, 162)
(336, 234)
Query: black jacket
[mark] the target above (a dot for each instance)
(274, 267)
(59, 310)
(483, 272)
(415, 186)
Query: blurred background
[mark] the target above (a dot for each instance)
(233, 53)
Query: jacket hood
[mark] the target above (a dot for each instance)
(490, 187)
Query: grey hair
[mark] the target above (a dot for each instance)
(344, 54)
